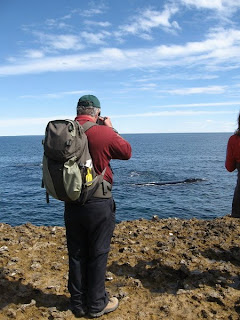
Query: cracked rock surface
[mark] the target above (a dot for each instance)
(170, 269)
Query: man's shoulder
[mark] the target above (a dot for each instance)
(101, 133)
(102, 129)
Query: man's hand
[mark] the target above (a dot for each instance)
(107, 122)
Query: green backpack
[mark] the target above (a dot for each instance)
(68, 173)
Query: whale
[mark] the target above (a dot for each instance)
(192, 180)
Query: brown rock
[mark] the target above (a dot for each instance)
(160, 269)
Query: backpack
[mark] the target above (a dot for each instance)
(67, 170)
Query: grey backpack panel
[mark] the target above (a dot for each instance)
(64, 139)
(68, 171)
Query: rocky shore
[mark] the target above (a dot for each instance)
(167, 269)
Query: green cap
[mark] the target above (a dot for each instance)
(89, 101)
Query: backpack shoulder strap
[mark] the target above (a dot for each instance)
(88, 124)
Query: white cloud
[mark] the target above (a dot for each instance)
(219, 10)
(56, 95)
(220, 49)
(190, 105)
(55, 23)
(58, 42)
(34, 54)
(95, 8)
(103, 24)
(63, 42)
(197, 90)
(175, 75)
(172, 114)
(67, 17)
(90, 12)
(143, 24)
(145, 36)
(221, 5)
(95, 38)
(148, 86)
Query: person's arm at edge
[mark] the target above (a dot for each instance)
(230, 163)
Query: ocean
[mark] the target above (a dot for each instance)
(152, 182)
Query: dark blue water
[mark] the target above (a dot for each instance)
(156, 158)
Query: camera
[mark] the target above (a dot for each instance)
(101, 120)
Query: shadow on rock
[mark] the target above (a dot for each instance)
(161, 278)
(219, 254)
(152, 274)
(18, 293)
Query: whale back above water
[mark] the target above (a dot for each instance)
(191, 180)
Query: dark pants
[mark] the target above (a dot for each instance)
(89, 229)
(236, 198)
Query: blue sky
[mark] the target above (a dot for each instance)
(156, 66)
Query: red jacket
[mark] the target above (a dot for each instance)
(233, 153)
(104, 145)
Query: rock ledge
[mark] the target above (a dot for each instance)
(169, 269)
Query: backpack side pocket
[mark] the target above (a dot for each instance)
(72, 179)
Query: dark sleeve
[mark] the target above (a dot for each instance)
(230, 162)
(119, 147)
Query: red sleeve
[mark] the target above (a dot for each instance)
(230, 162)
(104, 145)
(119, 148)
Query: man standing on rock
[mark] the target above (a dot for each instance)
(89, 227)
